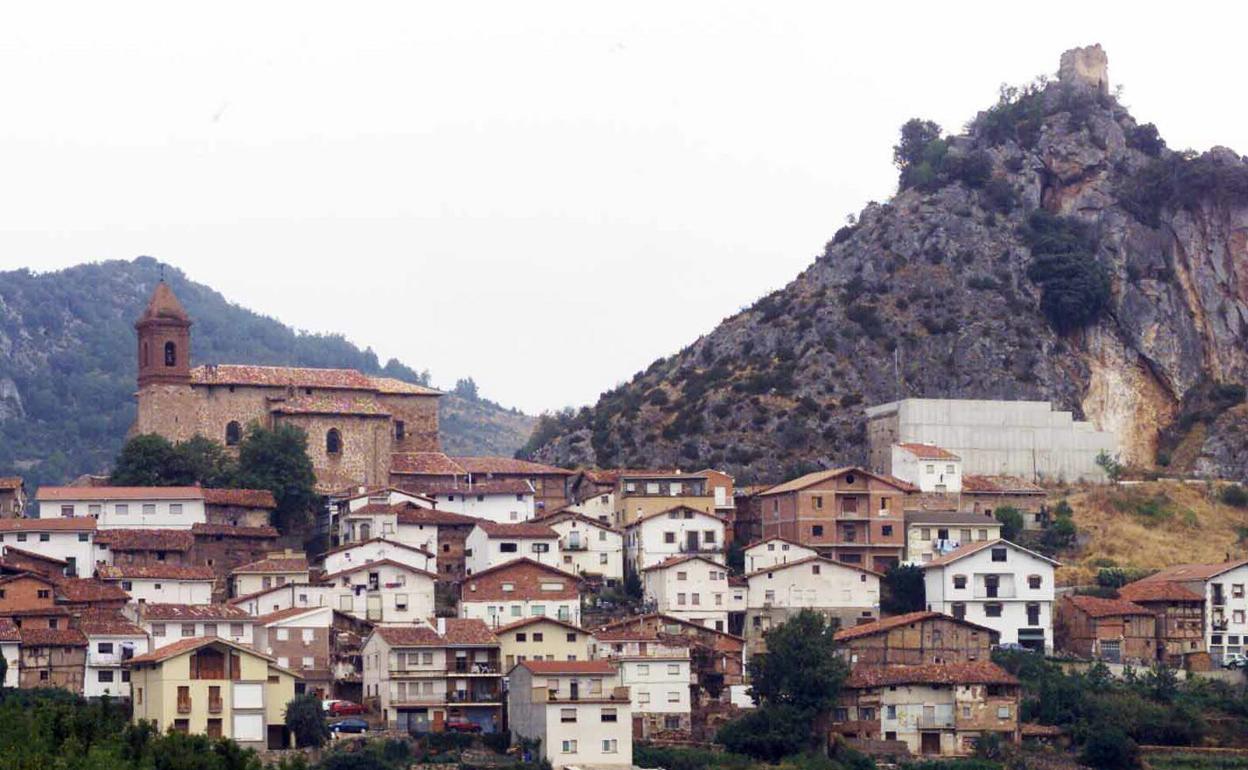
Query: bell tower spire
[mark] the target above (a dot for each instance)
(164, 339)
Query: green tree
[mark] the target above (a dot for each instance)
(207, 462)
(801, 670)
(1109, 749)
(770, 733)
(149, 460)
(277, 460)
(306, 721)
(1011, 522)
(904, 590)
(1111, 465)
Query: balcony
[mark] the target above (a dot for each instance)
(478, 668)
(701, 548)
(417, 673)
(615, 694)
(184, 705)
(935, 723)
(215, 705)
(478, 696)
(575, 547)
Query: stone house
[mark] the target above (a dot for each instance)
(20, 560)
(239, 507)
(519, 589)
(578, 709)
(1112, 630)
(916, 638)
(441, 532)
(224, 547)
(986, 493)
(127, 547)
(52, 657)
(12, 497)
(1180, 614)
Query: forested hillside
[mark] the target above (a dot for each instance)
(67, 365)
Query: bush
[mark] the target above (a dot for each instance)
(1181, 180)
(497, 742)
(1011, 522)
(1234, 495)
(1074, 285)
(767, 733)
(1109, 749)
(1145, 138)
(998, 195)
(973, 170)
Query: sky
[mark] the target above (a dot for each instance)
(544, 196)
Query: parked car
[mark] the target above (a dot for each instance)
(349, 726)
(328, 703)
(344, 708)
(463, 726)
(1235, 660)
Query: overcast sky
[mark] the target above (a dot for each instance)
(544, 196)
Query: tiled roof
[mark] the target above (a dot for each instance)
(410, 636)
(672, 619)
(372, 565)
(459, 631)
(896, 621)
(66, 524)
(808, 559)
(562, 515)
(970, 548)
(52, 637)
(10, 483)
(391, 386)
(666, 511)
(227, 530)
(109, 623)
(468, 631)
(1097, 607)
(757, 543)
(658, 474)
(673, 561)
(569, 666)
(425, 464)
(183, 646)
(412, 514)
(483, 487)
(146, 539)
(151, 611)
(818, 477)
(86, 590)
(508, 466)
(8, 549)
(520, 529)
(1158, 591)
(979, 672)
(289, 612)
(1194, 572)
(154, 572)
(362, 543)
(9, 631)
(355, 405)
(119, 493)
(302, 377)
(524, 622)
(525, 575)
(970, 518)
(243, 498)
(1014, 485)
(277, 564)
(929, 452)
(163, 305)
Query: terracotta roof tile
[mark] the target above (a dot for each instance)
(526, 577)
(227, 530)
(362, 543)
(818, 477)
(302, 377)
(163, 305)
(971, 548)
(757, 543)
(182, 646)
(413, 515)
(1158, 591)
(119, 493)
(674, 561)
(9, 631)
(52, 637)
(979, 672)
(242, 498)
(1195, 572)
(929, 452)
(508, 466)
(179, 540)
(522, 529)
(569, 666)
(273, 565)
(8, 549)
(410, 636)
(170, 612)
(425, 464)
(458, 632)
(1097, 607)
(972, 482)
(970, 518)
(525, 622)
(667, 511)
(349, 404)
(483, 487)
(391, 386)
(67, 524)
(86, 590)
(372, 565)
(289, 612)
(154, 572)
(468, 631)
(10, 483)
(110, 623)
(808, 559)
(563, 515)
(885, 624)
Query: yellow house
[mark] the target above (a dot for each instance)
(542, 638)
(216, 687)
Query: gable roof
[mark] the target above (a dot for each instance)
(11, 483)
(286, 614)
(118, 493)
(776, 539)
(818, 477)
(666, 511)
(962, 552)
(555, 667)
(353, 404)
(183, 646)
(87, 590)
(563, 514)
(952, 518)
(524, 622)
(483, 487)
(154, 572)
(413, 515)
(459, 632)
(359, 493)
(179, 540)
(372, 541)
(807, 560)
(523, 529)
(52, 637)
(513, 564)
(8, 549)
(273, 564)
(302, 377)
(243, 498)
(373, 565)
(1194, 572)
(673, 561)
(149, 611)
(1158, 591)
(978, 672)
(508, 466)
(928, 451)
(664, 618)
(884, 625)
(1096, 607)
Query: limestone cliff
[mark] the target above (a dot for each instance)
(1124, 299)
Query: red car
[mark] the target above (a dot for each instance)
(463, 727)
(344, 708)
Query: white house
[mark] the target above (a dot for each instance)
(678, 531)
(490, 544)
(773, 551)
(287, 596)
(383, 592)
(276, 568)
(69, 540)
(600, 507)
(578, 709)
(377, 549)
(111, 640)
(342, 525)
(519, 589)
(657, 673)
(161, 583)
(10, 649)
(169, 623)
(846, 592)
(693, 588)
(125, 507)
(506, 501)
(1226, 601)
(588, 546)
(928, 467)
(997, 584)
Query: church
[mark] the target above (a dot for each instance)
(355, 422)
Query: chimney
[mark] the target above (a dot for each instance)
(441, 626)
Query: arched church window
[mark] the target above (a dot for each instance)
(233, 433)
(333, 442)
(145, 356)
(171, 354)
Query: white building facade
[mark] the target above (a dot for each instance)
(773, 551)
(692, 588)
(490, 544)
(680, 531)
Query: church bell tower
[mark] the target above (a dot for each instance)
(164, 340)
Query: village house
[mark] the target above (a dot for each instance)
(589, 547)
(718, 657)
(125, 507)
(416, 470)
(441, 532)
(239, 507)
(693, 588)
(935, 710)
(847, 514)
(12, 497)
(213, 687)
(658, 674)
(290, 595)
(1180, 614)
(542, 638)
(421, 677)
(224, 547)
(35, 600)
(69, 540)
(15, 560)
(377, 549)
(277, 568)
(519, 589)
(928, 467)
(362, 514)
(111, 641)
(1112, 630)
(52, 657)
(490, 544)
(505, 501)
(577, 709)
(144, 547)
(670, 532)
(1226, 602)
(997, 584)
(747, 515)
(916, 638)
(161, 583)
(639, 494)
(169, 623)
(383, 591)
(591, 492)
(843, 593)
(930, 534)
(298, 638)
(985, 494)
(773, 551)
(11, 651)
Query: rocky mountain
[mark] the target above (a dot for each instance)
(1056, 249)
(67, 366)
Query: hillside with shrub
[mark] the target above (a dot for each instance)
(67, 366)
(1056, 249)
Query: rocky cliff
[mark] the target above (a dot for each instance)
(1056, 250)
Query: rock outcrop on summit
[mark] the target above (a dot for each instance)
(1056, 250)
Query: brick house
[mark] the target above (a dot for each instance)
(519, 589)
(1180, 614)
(916, 638)
(718, 657)
(224, 547)
(984, 494)
(1112, 630)
(299, 639)
(123, 547)
(52, 657)
(239, 507)
(848, 514)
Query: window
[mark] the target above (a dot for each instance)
(188, 629)
(105, 648)
(538, 636)
(121, 509)
(44, 593)
(998, 554)
(82, 537)
(815, 569)
(537, 609)
(708, 536)
(959, 610)
(609, 745)
(333, 442)
(175, 509)
(308, 662)
(567, 715)
(283, 634)
(106, 675)
(236, 629)
(569, 747)
(541, 547)
(959, 581)
(171, 354)
(992, 609)
(669, 537)
(509, 587)
(816, 530)
(95, 509)
(44, 537)
(673, 696)
(1033, 581)
(818, 501)
(673, 668)
(149, 509)
(680, 598)
(925, 533)
(571, 638)
(400, 601)
(890, 712)
(608, 715)
(981, 534)
(400, 430)
(21, 537)
(126, 585)
(233, 433)
(682, 575)
(507, 548)
(931, 469)
(1003, 712)
(210, 629)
